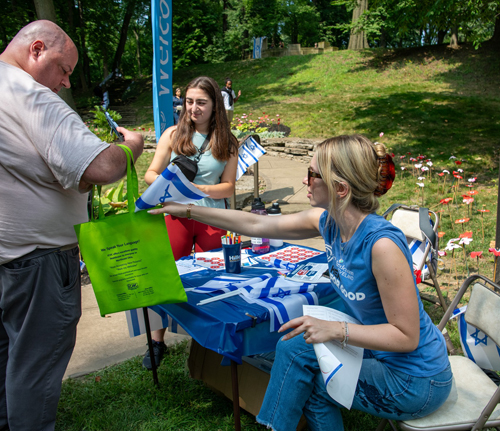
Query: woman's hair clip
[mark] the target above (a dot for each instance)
(387, 174)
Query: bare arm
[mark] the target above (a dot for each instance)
(237, 97)
(225, 188)
(293, 226)
(111, 164)
(162, 155)
(399, 299)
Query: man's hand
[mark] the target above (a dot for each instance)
(133, 140)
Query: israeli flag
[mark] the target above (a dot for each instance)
(283, 299)
(228, 283)
(257, 46)
(248, 154)
(476, 345)
(158, 319)
(171, 186)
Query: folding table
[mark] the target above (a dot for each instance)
(232, 327)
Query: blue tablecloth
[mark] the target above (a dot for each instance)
(232, 327)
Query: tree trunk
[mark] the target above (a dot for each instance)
(123, 34)
(454, 37)
(357, 40)
(441, 36)
(383, 39)
(225, 7)
(495, 40)
(85, 58)
(138, 54)
(45, 10)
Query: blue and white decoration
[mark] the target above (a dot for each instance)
(248, 154)
(158, 319)
(476, 345)
(257, 46)
(161, 17)
(171, 186)
(282, 298)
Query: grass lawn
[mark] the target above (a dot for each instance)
(434, 102)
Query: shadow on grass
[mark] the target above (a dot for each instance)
(438, 125)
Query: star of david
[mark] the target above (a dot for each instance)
(281, 293)
(166, 195)
(244, 156)
(478, 340)
(251, 146)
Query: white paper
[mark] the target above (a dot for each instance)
(186, 266)
(339, 366)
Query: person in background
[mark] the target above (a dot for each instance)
(177, 99)
(49, 161)
(405, 372)
(203, 119)
(230, 99)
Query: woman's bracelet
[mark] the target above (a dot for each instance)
(344, 342)
(188, 211)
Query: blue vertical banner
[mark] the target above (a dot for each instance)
(257, 46)
(161, 14)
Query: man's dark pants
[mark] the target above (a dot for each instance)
(40, 305)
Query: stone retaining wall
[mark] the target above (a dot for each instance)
(298, 149)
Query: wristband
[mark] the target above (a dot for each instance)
(188, 211)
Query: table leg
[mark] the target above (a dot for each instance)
(236, 396)
(150, 346)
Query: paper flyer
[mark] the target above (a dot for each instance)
(339, 366)
(309, 273)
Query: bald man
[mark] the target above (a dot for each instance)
(48, 161)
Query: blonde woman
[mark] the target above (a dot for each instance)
(405, 372)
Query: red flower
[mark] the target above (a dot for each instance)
(458, 162)
(462, 220)
(494, 251)
(478, 254)
(441, 174)
(418, 275)
(467, 234)
(421, 157)
(441, 234)
(445, 200)
(458, 177)
(473, 192)
(484, 211)
(468, 200)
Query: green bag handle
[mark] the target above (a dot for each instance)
(132, 187)
(132, 182)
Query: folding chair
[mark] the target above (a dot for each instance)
(472, 403)
(420, 228)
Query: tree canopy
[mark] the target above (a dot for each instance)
(113, 34)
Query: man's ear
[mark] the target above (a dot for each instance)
(36, 49)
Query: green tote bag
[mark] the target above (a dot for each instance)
(128, 256)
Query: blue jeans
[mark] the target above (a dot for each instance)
(297, 387)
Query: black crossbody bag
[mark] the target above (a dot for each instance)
(190, 167)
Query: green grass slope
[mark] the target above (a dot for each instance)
(430, 98)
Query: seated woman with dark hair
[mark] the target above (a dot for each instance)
(405, 372)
